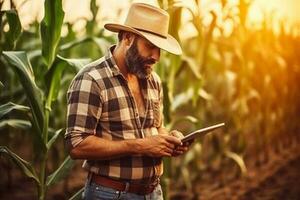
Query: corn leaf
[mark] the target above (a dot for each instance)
(22, 67)
(75, 42)
(8, 107)
(182, 99)
(56, 71)
(23, 165)
(75, 63)
(15, 28)
(77, 195)
(54, 137)
(51, 29)
(238, 160)
(187, 118)
(186, 177)
(102, 43)
(61, 172)
(15, 123)
(192, 65)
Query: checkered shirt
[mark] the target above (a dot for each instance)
(101, 104)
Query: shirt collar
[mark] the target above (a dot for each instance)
(111, 61)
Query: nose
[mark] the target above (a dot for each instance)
(155, 54)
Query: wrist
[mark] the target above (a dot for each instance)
(135, 146)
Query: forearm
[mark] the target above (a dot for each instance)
(97, 148)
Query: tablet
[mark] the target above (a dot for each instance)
(201, 132)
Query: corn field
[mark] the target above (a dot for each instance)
(247, 77)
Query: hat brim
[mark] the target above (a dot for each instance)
(168, 43)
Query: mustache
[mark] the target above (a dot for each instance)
(149, 61)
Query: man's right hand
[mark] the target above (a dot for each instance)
(159, 145)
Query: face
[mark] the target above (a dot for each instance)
(140, 57)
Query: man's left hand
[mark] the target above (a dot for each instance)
(179, 150)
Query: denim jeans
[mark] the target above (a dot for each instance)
(93, 191)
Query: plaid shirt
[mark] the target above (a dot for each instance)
(101, 104)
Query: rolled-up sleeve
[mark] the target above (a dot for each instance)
(84, 107)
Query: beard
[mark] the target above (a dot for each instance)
(137, 64)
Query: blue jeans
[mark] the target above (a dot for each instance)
(93, 191)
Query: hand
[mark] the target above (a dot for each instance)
(159, 145)
(179, 150)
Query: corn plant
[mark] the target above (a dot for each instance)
(39, 98)
(246, 77)
(186, 99)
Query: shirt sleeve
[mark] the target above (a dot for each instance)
(84, 107)
(159, 106)
(161, 103)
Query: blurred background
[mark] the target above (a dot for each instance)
(240, 65)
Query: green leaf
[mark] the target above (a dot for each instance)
(102, 43)
(15, 123)
(238, 160)
(205, 95)
(54, 75)
(77, 195)
(166, 103)
(61, 172)
(54, 137)
(75, 63)
(56, 71)
(186, 177)
(22, 67)
(73, 43)
(23, 165)
(193, 65)
(182, 99)
(8, 107)
(187, 118)
(14, 28)
(51, 29)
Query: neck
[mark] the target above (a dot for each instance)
(119, 56)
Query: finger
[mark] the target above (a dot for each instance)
(182, 148)
(187, 144)
(169, 150)
(170, 145)
(177, 134)
(173, 140)
(177, 153)
(167, 154)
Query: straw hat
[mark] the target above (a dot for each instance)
(151, 23)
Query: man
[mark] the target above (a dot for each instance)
(115, 117)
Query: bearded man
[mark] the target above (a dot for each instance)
(115, 120)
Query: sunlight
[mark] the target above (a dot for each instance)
(287, 10)
(279, 10)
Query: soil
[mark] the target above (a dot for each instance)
(278, 179)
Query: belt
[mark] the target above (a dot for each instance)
(139, 189)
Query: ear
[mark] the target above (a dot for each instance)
(128, 39)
